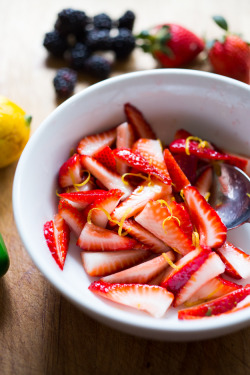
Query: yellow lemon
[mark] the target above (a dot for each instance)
(14, 131)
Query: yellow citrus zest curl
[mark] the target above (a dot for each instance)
(84, 182)
(161, 201)
(148, 178)
(182, 194)
(119, 223)
(169, 261)
(195, 239)
(207, 196)
(202, 143)
(248, 195)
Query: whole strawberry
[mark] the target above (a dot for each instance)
(231, 55)
(171, 45)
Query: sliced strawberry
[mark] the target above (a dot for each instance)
(56, 233)
(70, 172)
(151, 150)
(106, 157)
(217, 306)
(243, 162)
(210, 268)
(72, 216)
(139, 198)
(108, 178)
(214, 288)
(188, 164)
(90, 145)
(178, 178)
(153, 219)
(105, 263)
(235, 260)
(108, 203)
(150, 298)
(81, 199)
(93, 238)
(125, 139)
(211, 230)
(143, 235)
(180, 211)
(204, 181)
(141, 273)
(241, 305)
(137, 120)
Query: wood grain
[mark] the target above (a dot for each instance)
(40, 331)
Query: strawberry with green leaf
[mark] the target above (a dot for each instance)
(230, 56)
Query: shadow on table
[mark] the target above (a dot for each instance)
(4, 302)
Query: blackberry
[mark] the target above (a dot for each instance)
(78, 54)
(127, 20)
(123, 44)
(98, 40)
(70, 21)
(64, 82)
(54, 43)
(98, 67)
(102, 21)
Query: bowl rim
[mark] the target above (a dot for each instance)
(215, 324)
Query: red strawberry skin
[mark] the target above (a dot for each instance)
(231, 58)
(70, 172)
(183, 44)
(140, 125)
(106, 157)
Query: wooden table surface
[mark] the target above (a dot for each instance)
(40, 331)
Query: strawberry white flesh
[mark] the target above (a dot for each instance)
(93, 238)
(237, 258)
(139, 198)
(214, 288)
(134, 117)
(204, 181)
(125, 139)
(81, 199)
(143, 235)
(153, 299)
(91, 144)
(152, 218)
(72, 216)
(110, 180)
(70, 172)
(211, 230)
(142, 273)
(212, 267)
(106, 263)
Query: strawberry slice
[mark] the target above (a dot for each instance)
(217, 306)
(204, 181)
(150, 298)
(178, 178)
(151, 150)
(188, 165)
(211, 230)
(138, 121)
(142, 273)
(143, 235)
(93, 238)
(81, 199)
(235, 259)
(125, 139)
(72, 216)
(139, 198)
(105, 263)
(180, 210)
(109, 179)
(56, 233)
(91, 144)
(70, 172)
(154, 219)
(106, 157)
(243, 161)
(214, 288)
(211, 267)
(108, 203)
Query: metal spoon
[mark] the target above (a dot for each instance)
(230, 195)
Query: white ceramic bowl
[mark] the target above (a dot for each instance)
(209, 106)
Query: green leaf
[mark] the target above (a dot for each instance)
(221, 22)
(4, 258)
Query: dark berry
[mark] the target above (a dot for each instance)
(64, 82)
(54, 43)
(102, 21)
(98, 40)
(123, 44)
(98, 67)
(127, 20)
(70, 21)
(78, 54)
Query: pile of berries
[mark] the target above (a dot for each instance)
(81, 41)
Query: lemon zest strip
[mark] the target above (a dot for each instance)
(195, 239)
(84, 182)
(248, 194)
(202, 143)
(162, 201)
(169, 261)
(207, 196)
